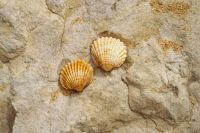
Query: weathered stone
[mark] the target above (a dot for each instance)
(157, 83)
(156, 90)
(56, 6)
(10, 44)
(7, 111)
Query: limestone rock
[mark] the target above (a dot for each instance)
(194, 90)
(155, 90)
(7, 111)
(10, 47)
(156, 83)
(56, 6)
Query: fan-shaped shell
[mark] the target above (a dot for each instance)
(108, 52)
(76, 75)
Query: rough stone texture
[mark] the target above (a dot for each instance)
(156, 90)
(7, 111)
(157, 83)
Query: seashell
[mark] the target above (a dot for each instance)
(108, 52)
(76, 75)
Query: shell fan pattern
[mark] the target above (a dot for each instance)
(108, 53)
(76, 75)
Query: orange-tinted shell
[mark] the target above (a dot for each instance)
(76, 75)
(108, 52)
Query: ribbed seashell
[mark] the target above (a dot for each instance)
(76, 75)
(108, 52)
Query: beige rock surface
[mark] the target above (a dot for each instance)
(7, 111)
(156, 90)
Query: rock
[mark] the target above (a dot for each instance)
(192, 39)
(63, 8)
(7, 111)
(11, 44)
(56, 6)
(194, 90)
(156, 86)
(7, 116)
(195, 120)
(103, 106)
(16, 23)
(77, 37)
(4, 81)
(155, 90)
(10, 47)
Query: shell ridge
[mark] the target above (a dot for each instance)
(108, 52)
(76, 75)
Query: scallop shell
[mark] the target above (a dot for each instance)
(76, 75)
(108, 52)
